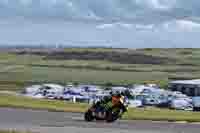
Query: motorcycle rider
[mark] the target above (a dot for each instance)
(108, 102)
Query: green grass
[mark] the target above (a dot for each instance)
(16, 71)
(133, 113)
(157, 114)
(7, 100)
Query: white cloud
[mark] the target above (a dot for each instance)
(114, 25)
(161, 21)
(183, 25)
(187, 25)
(106, 9)
(157, 4)
(126, 26)
(104, 26)
(144, 27)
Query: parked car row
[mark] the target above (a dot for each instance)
(138, 95)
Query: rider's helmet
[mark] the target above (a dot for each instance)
(122, 94)
(118, 94)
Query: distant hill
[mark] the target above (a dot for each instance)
(124, 56)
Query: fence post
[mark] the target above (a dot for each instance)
(74, 99)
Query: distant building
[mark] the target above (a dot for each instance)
(188, 87)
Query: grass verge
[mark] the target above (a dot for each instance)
(154, 114)
(8, 100)
(11, 131)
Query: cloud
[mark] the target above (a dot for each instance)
(114, 25)
(139, 22)
(157, 4)
(181, 25)
(96, 9)
(128, 26)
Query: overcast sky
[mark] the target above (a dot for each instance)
(119, 23)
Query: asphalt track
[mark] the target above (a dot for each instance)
(59, 122)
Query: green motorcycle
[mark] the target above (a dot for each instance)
(106, 112)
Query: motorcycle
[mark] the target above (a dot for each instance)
(111, 114)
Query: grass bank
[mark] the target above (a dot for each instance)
(133, 113)
(18, 70)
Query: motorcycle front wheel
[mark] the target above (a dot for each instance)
(88, 116)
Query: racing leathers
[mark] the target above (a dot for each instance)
(110, 102)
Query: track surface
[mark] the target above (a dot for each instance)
(59, 122)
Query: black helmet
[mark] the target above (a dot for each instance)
(122, 93)
(117, 93)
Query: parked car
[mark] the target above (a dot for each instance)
(163, 101)
(118, 89)
(133, 102)
(37, 95)
(181, 104)
(91, 88)
(52, 91)
(148, 99)
(31, 90)
(196, 103)
(138, 96)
